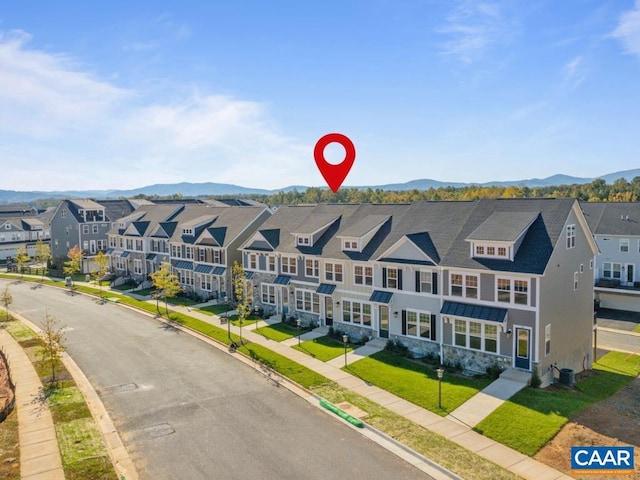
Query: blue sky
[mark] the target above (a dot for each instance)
(124, 94)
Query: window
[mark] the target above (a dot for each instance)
(92, 247)
(463, 285)
(425, 279)
(312, 267)
(139, 245)
(94, 229)
(187, 231)
(476, 335)
(491, 251)
(202, 255)
(581, 268)
(611, 270)
(271, 263)
(120, 264)
(356, 312)
(188, 252)
(307, 301)
(571, 236)
(479, 250)
(350, 245)
(85, 229)
(289, 265)
(176, 251)
(418, 324)
(268, 294)
(252, 261)
(112, 242)
(185, 277)
(304, 241)
(85, 245)
(205, 282)
(590, 264)
(63, 214)
(137, 266)
(624, 245)
(102, 244)
(547, 339)
(333, 272)
(575, 280)
(502, 252)
(217, 257)
(513, 291)
(392, 278)
(362, 275)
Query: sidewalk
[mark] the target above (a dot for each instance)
(39, 453)
(464, 436)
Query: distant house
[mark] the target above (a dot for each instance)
(479, 283)
(21, 226)
(616, 228)
(85, 223)
(200, 241)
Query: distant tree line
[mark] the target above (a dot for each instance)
(597, 191)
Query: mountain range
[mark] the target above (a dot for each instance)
(213, 189)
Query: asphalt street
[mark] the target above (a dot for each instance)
(609, 340)
(186, 410)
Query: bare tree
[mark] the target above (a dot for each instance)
(22, 258)
(166, 282)
(43, 254)
(7, 299)
(53, 344)
(243, 306)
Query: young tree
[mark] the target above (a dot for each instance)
(101, 261)
(22, 258)
(43, 254)
(7, 299)
(166, 282)
(73, 266)
(243, 306)
(53, 344)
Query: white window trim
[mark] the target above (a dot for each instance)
(315, 268)
(547, 339)
(611, 270)
(508, 254)
(304, 241)
(570, 236)
(575, 281)
(429, 273)
(361, 302)
(333, 273)
(350, 247)
(464, 284)
(268, 287)
(512, 291)
(397, 270)
(624, 243)
(419, 313)
(291, 262)
(364, 277)
(313, 295)
(483, 337)
(251, 256)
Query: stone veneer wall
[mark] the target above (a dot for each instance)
(473, 360)
(419, 348)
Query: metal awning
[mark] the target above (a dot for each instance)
(183, 265)
(248, 275)
(474, 312)
(152, 257)
(282, 280)
(378, 296)
(219, 271)
(125, 254)
(325, 289)
(203, 269)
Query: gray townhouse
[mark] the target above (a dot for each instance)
(616, 229)
(21, 226)
(85, 223)
(199, 240)
(491, 281)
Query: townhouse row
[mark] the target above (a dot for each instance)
(491, 281)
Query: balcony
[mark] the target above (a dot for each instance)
(617, 284)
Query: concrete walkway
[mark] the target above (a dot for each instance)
(39, 453)
(480, 406)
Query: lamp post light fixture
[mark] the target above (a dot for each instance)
(440, 373)
(299, 324)
(345, 340)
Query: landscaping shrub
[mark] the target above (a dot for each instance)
(494, 371)
(536, 381)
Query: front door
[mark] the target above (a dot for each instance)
(285, 300)
(328, 311)
(523, 347)
(383, 315)
(630, 274)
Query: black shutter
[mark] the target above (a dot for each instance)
(434, 283)
(418, 281)
(399, 279)
(433, 327)
(404, 322)
(384, 277)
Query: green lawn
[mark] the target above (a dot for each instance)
(184, 301)
(637, 328)
(250, 320)
(415, 382)
(323, 348)
(278, 331)
(145, 292)
(214, 309)
(541, 413)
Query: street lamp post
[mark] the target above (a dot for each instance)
(440, 373)
(299, 324)
(345, 340)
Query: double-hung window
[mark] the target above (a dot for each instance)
(312, 267)
(463, 285)
(268, 294)
(289, 265)
(333, 272)
(475, 335)
(513, 291)
(363, 275)
(418, 324)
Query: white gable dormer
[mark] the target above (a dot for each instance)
(355, 237)
(500, 235)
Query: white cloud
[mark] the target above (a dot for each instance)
(573, 73)
(472, 26)
(62, 128)
(628, 30)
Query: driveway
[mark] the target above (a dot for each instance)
(186, 410)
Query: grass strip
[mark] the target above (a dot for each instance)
(542, 413)
(323, 348)
(416, 382)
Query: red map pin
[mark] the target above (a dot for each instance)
(334, 175)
